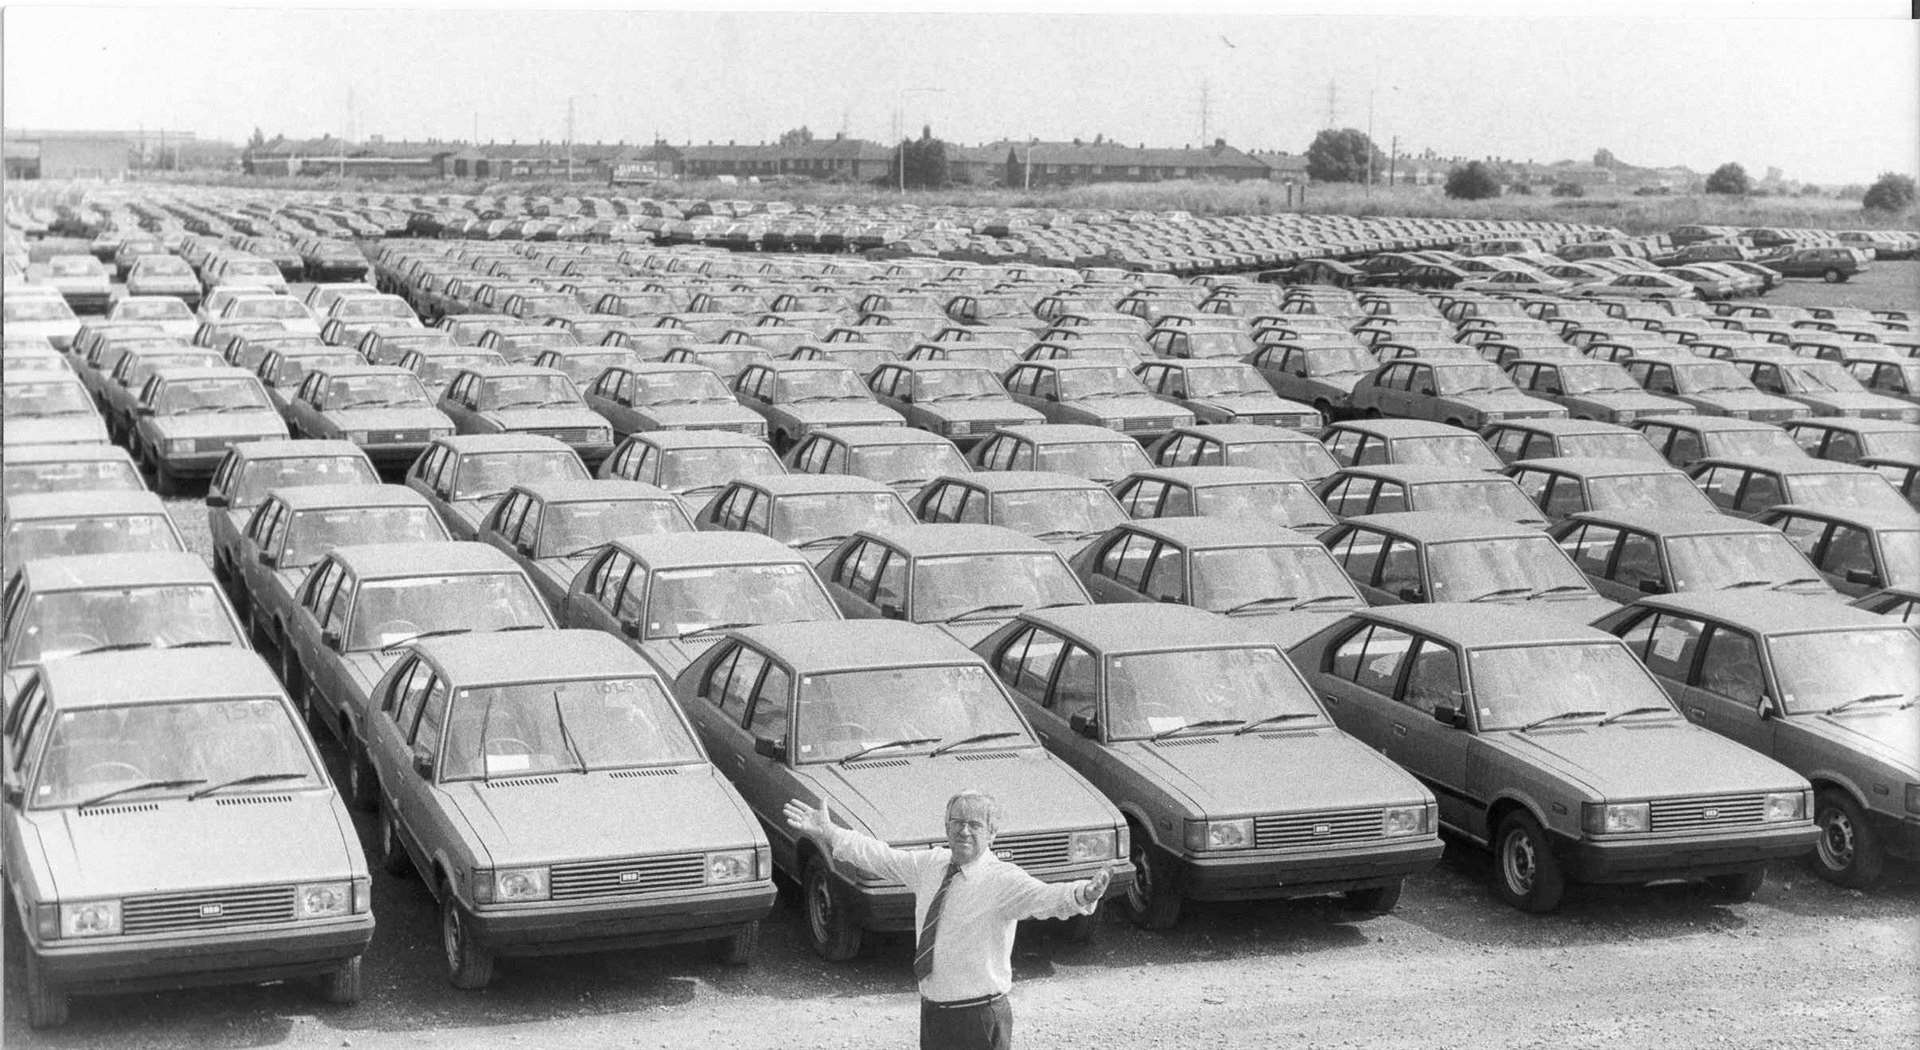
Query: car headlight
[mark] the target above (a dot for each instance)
(1404, 820)
(1115, 423)
(1220, 834)
(179, 446)
(1623, 416)
(358, 437)
(1799, 413)
(509, 885)
(321, 900)
(732, 866)
(1605, 818)
(1787, 805)
(90, 919)
(1909, 415)
(1091, 845)
(603, 436)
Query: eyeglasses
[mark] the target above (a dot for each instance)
(968, 825)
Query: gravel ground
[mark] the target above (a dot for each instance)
(1804, 964)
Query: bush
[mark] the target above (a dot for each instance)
(1569, 189)
(1890, 192)
(1729, 179)
(1342, 156)
(1472, 183)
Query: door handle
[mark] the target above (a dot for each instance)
(1399, 730)
(1332, 701)
(740, 763)
(1698, 713)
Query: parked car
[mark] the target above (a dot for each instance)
(293, 528)
(1587, 389)
(1320, 375)
(382, 409)
(901, 458)
(1091, 392)
(551, 528)
(1748, 485)
(188, 418)
(1466, 394)
(1543, 438)
(81, 280)
(69, 468)
(1384, 488)
(963, 579)
(1598, 779)
(253, 468)
(658, 396)
(54, 524)
(799, 398)
(691, 464)
(1826, 387)
(466, 474)
(1849, 439)
(1856, 551)
(1823, 689)
(1363, 442)
(1565, 485)
(1831, 264)
(1685, 441)
(1093, 452)
(49, 408)
(812, 513)
(1629, 553)
(1244, 445)
(163, 275)
(525, 399)
(1057, 509)
(957, 400)
(1433, 556)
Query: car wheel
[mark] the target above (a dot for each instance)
(835, 938)
(342, 986)
(1371, 413)
(1832, 276)
(295, 680)
(1525, 873)
(164, 483)
(392, 852)
(1373, 901)
(362, 785)
(46, 1004)
(737, 950)
(469, 965)
(782, 444)
(1847, 853)
(257, 632)
(1153, 901)
(1739, 887)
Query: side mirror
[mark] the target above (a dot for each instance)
(1301, 372)
(890, 611)
(14, 796)
(1050, 397)
(216, 501)
(1450, 716)
(143, 410)
(1170, 599)
(330, 639)
(630, 628)
(423, 762)
(1084, 726)
(766, 747)
(1763, 708)
(1652, 587)
(1865, 577)
(906, 398)
(525, 547)
(1410, 594)
(266, 558)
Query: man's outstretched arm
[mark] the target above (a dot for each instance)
(864, 851)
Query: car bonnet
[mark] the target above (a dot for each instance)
(903, 798)
(1280, 770)
(1645, 758)
(569, 816)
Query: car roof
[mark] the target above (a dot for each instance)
(1596, 466)
(1230, 433)
(816, 646)
(359, 370)
(1768, 612)
(1781, 464)
(490, 371)
(533, 656)
(879, 435)
(307, 497)
(157, 676)
(722, 547)
(922, 540)
(169, 375)
(667, 440)
(422, 558)
(572, 490)
(144, 569)
(1858, 424)
(1208, 476)
(1484, 626)
(1133, 627)
(1561, 425)
(777, 485)
(1064, 434)
(1706, 424)
(1401, 428)
(296, 448)
(1440, 526)
(1414, 473)
(1670, 523)
(938, 365)
(1020, 480)
(1888, 518)
(67, 453)
(1199, 532)
(83, 503)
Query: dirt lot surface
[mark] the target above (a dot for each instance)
(1803, 965)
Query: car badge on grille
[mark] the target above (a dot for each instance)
(1711, 814)
(208, 911)
(629, 876)
(1004, 854)
(1323, 829)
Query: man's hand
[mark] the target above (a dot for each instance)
(1096, 886)
(804, 818)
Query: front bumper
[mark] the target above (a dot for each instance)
(567, 927)
(124, 964)
(1295, 873)
(1691, 856)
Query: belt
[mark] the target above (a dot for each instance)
(962, 1004)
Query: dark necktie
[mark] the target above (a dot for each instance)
(923, 956)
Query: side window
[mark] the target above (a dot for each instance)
(836, 458)
(1590, 546)
(890, 589)
(406, 683)
(1372, 450)
(1075, 689)
(1210, 454)
(1141, 498)
(1848, 548)
(1722, 485)
(1400, 571)
(1358, 553)
(1762, 491)
(1670, 646)
(606, 575)
(322, 594)
(769, 715)
(717, 672)
(725, 511)
(433, 715)
(1563, 498)
(740, 683)
(1731, 666)
(1376, 665)
(1659, 381)
(1392, 496)
(1433, 679)
(1345, 447)
(336, 620)
(864, 569)
(627, 606)
(1020, 456)
(942, 505)
(1178, 502)
(758, 512)
(1350, 496)
(973, 505)
(506, 520)
(1534, 483)
(1126, 561)
(1167, 579)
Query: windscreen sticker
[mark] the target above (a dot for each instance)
(509, 763)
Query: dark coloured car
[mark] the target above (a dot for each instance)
(1431, 556)
(1627, 554)
(965, 580)
(551, 528)
(1264, 497)
(465, 475)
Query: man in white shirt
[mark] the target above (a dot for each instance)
(966, 903)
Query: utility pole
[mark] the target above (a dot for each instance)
(569, 138)
(1370, 147)
(1027, 168)
(1333, 93)
(476, 127)
(1205, 115)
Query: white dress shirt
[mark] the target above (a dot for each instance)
(973, 953)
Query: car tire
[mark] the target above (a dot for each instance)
(363, 785)
(295, 679)
(1848, 851)
(1373, 901)
(469, 965)
(46, 1003)
(1526, 874)
(834, 936)
(164, 483)
(392, 853)
(257, 633)
(342, 987)
(737, 949)
(1738, 887)
(1153, 901)
(1832, 276)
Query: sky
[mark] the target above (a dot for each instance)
(1828, 99)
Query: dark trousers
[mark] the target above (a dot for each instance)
(980, 1026)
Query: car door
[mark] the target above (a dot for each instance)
(590, 599)
(1358, 680)
(1726, 686)
(1433, 750)
(1118, 570)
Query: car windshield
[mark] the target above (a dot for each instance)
(62, 623)
(163, 266)
(948, 587)
(563, 727)
(1219, 344)
(274, 307)
(33, 309)
(898, 463)
(72, 476)
(1507, 567)
(250, 268)
(1865, 490)
(1288, 502)
(957, 384)
(860, 359)
(1760, 441)
(575, 526)
(996, 359)
(1819, 376)
(1242, 380)
(75, 268)
(1480, 378)
(374, 391)
(1110, 381)
(825, 384)
(152, 310)
(98, 534)
(1275, 579)
(844, 712)
(1098, 461)
(61, 398)
(191, 744)
(666, 388)
(1662, 490)
(486, 475)
(1304, 459)
(387, 612)
(1817, 671)
(1602, 677)
(439, 368)
(362, 306)
(312, 533)
(803, 518)
(1497, 497)
(1728, 559)
(1610, 446)
(691, 468)
(1597, 378)
(1041, 511)
(188, 397)
(139, 371)
(1153, 693)
(291, 368)
(528, 391)
(1466, 450)
(1338, 360)
(1708, 377)
(257, 477)
(687, 601)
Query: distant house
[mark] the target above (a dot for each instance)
(375, 158)
(1077, 162)
(838, 159)
(1283, 166)
(66, 154)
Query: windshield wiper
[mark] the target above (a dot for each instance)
(1867, 699)
(362, 403)
(482, 496)
(1502, 592)
(1284, 716)
(913, 742)
(1795, 581)
(116, 647)
(810, 398)
(716, 627)
(515, 404)
(1560, 588)
(144, 786)
(566, 737)
(1562, 715)
(1611, 719)
(820, 541)
(257, 778)
(1316, 599)
(589, 549)
(1737, 584)
(977, 738)
(442, 632)
(981, 609)
(1065, 534)
(1268, 600)
(1205, 723)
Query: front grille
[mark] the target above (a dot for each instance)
(567, 435)
(629, 875)
(1280, 831)
(206, 909)
(1147, 423)
(1712, 811)
(1043, 849)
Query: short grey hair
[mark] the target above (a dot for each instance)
(980, 798)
